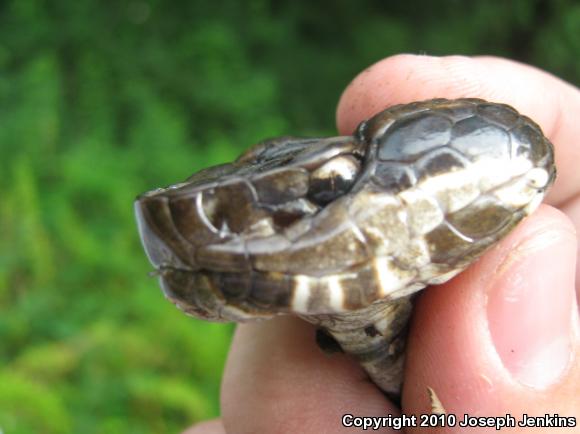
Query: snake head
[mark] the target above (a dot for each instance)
(331, 225)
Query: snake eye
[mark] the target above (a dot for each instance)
(333, 178)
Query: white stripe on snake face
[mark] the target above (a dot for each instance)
(388, 276)
(335, 294)
(423, 212)
(458, 188)
(534, 203)
(301, 294)
(452, 190)
(491, 173)
(517, 193)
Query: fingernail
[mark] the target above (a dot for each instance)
(531, 307)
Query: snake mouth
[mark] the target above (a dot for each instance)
(224, 297)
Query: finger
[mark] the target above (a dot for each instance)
(554, 104)
(572, 210)
(209, 427)
(503, 337)
(278, 380)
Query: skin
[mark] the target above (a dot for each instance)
(501, 338)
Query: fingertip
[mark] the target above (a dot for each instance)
(372, 90)
(405, 78)
(531, 309)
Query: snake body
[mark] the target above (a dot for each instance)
(344, 231)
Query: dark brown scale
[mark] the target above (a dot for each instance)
(475, 136)
(393, 177)
(482, 218)
(529, 141)
(500, 114)
(264, 290)
(428, 132)
(190, 220)
(445, 245)
(281, 186)
(440, 162)
(232, 207)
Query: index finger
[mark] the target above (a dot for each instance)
(551, 102)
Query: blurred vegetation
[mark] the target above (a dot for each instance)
(100, 101)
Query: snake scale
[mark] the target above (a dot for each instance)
(344, 231)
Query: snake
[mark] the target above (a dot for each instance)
(345, 231)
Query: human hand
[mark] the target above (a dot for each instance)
(501, 338)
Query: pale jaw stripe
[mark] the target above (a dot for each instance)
(389, 278)
(534, 203)
(461, 187)
(487, 172)
(423, 211)
(232, 313)
(493, 172)
(515, 194)
(452, 190)
(301, 294)
(329, 291)
(335, 294)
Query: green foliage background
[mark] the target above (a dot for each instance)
(100, 101)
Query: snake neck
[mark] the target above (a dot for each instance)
(376, 337)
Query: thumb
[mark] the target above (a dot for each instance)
(503, 338)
